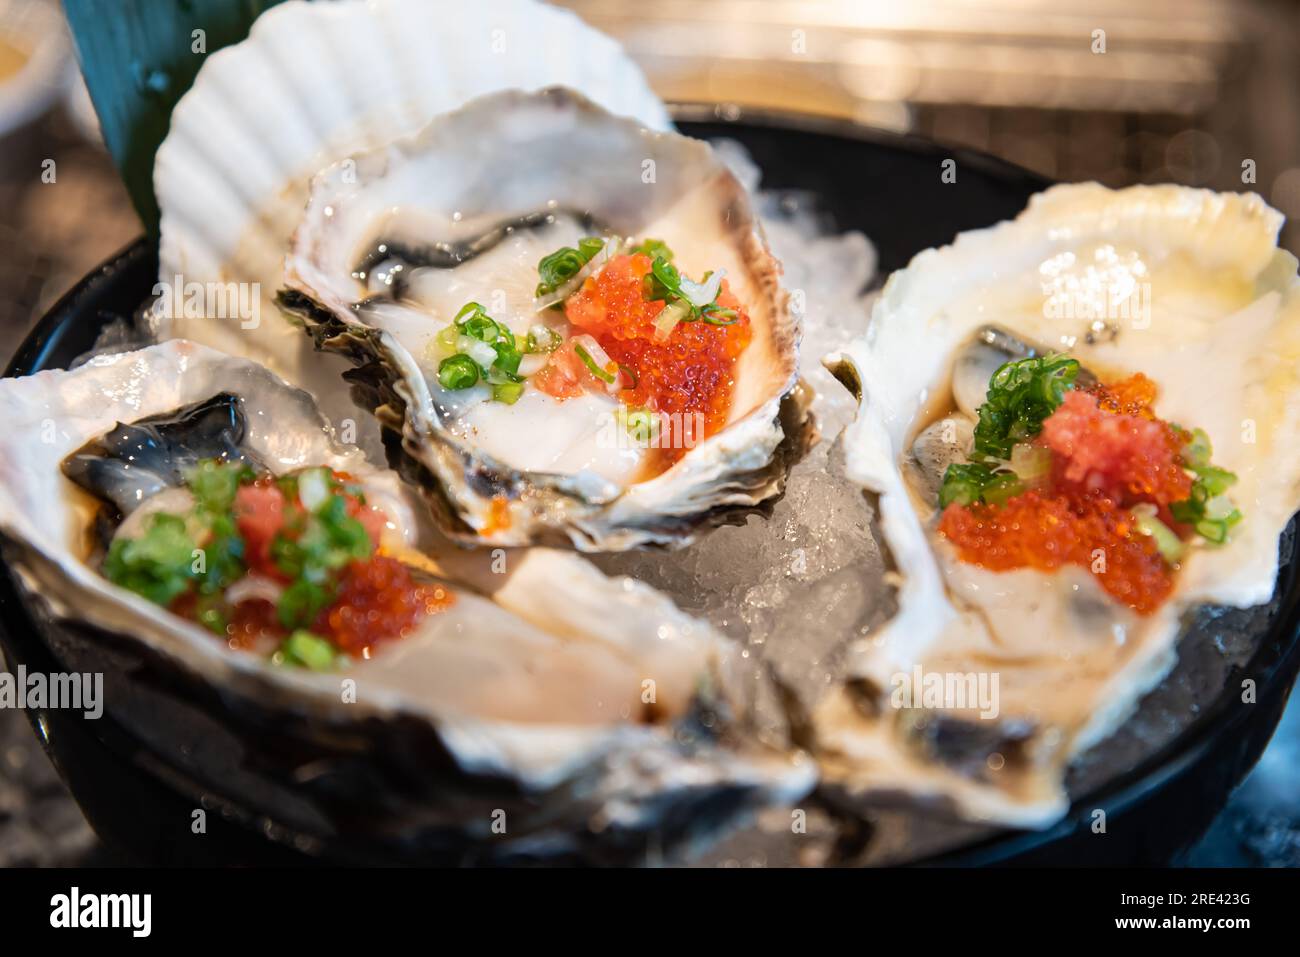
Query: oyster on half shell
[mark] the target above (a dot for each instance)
(1187, 287)
(231, 181)
(395, 242)
(528, 693)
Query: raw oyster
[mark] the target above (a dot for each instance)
(1185, 286)
(527, 697)
(372, 71)
(396, 243)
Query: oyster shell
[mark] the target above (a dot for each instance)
(1186, 286)
(466, 209)
(527, 695)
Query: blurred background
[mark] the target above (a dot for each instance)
(1200, 92)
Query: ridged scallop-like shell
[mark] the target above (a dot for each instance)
(315, 82)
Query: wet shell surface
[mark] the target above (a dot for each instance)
(1185, 286)
(536, 676)
(467, 208)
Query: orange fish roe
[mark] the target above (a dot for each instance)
(1132, 396)
(1046, 531)
(498, 515)
(1109, 453)
(1130, 457)
(377, 601)
(692, 371)
(250, 623)
(565, 375)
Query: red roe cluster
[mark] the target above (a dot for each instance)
(1107, 441)
(1045, 530)
(691, 371)
(375, 599)
(1109, 453)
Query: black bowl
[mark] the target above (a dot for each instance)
(1158, 795)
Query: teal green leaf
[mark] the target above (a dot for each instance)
(139, 57)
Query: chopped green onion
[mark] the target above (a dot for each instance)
(158, 564)
(1194, 510)
(457, 372)
(1208, 510)
(684, 300)
(508, 356)
(1216, 529)
(484, 355)
(474, 323)
(1167, 543)
(345, 531)
(542, 339)
(1031, 463)
(641, 424)
(301, 602)
(964, 483)
(288, 485)
(1218, 507)
(323, 547)
(507, 392)
(703, 295)
(469, 311)
(214, 483)
(668, 318)
(590, 363)
(1021, 394)
(711, 314)
(1197, 451)
(497, 376)
(447, 337)
(559, 267)
(314, 488)
(668, 280)
(654, 248)
(483, 328)
(1214, 480)
(972, 482)
(306, 650)
(631, 374)
(1001, 487)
